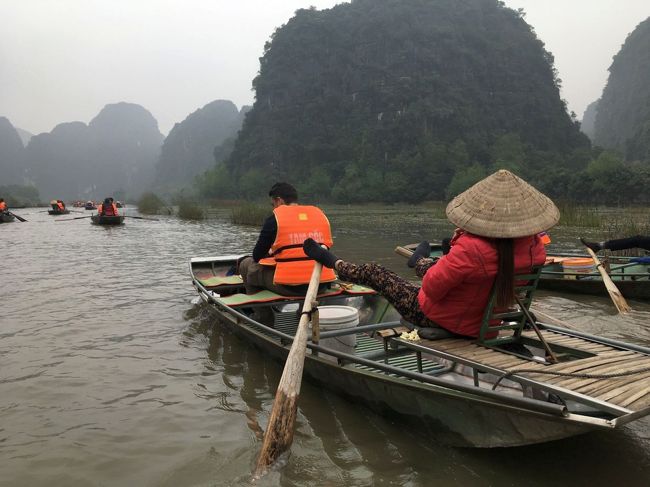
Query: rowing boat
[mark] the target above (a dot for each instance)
(630, 274)
(58, 212)
(6, 217)
(448, 388)
(107, 219)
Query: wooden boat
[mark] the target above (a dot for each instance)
(444, 387)
(90, 206)
(57, 211)
(6, 217)
(630, 274)
(107, 220)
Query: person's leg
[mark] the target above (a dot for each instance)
(423, 265)
(399, 292)
(251, 274)
(638, 241)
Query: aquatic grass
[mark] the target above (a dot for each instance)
(250, 214)
(150, 204)
(573, 215)
(189, 210)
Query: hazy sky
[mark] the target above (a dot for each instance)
(63, 60)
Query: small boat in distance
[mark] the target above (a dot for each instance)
(90, 206)
(58, 209)
(460, 392)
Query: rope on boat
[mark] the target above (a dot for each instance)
(569, 374)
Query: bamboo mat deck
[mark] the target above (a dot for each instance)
(631, 392)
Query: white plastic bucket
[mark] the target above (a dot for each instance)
(580, 265)
(336, 317)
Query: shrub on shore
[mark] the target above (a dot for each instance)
(150, 204)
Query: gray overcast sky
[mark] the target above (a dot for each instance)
(63, 60)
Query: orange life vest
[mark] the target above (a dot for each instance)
(297, 223)
(3, 206)
(60, 205)
(109, 211)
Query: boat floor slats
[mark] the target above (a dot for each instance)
(626, 391)
(593, 386)
(606, 387)
(589, 385)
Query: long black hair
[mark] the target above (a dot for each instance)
(505, 280)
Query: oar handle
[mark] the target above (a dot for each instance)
(403, 251)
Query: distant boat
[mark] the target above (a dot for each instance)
(118, 204)
(6, 217)
(55, 210)
(90, 206)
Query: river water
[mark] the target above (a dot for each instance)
(111, 376)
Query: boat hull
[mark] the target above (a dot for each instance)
(452, 418)
(451, 414)
(107, 220)
(58, 212)
(6, 218)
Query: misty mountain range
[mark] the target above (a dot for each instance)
(121, 152)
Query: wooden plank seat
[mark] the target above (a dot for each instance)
(630, 392)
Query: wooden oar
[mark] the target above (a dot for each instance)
(614, 293)
(141, 218)
(19, 218)
(75, 218)
(279, 431)
(403, 251)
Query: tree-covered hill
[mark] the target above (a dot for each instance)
(400, 100)
(189, 148)
(11, 152)
(115, 152)
(623, 120)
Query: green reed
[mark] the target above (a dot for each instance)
(573, 215)
(250, 214)
(189, 210)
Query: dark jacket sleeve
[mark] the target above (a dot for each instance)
(266, 239)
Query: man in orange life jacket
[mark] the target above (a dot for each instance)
(107, 208)
(278, 262)
(3, 205)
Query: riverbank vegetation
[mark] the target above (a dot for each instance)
(17, 196)
(250, 214)
(150, 204)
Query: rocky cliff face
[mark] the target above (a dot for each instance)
(11, 153)
(189, 148)
(623, 120)
(116, 152)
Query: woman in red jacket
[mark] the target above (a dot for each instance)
(498, 219)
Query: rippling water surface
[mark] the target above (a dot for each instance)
(110, 376)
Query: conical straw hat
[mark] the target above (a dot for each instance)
(502, 206)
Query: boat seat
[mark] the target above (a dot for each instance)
(266, 296)
(514, 319)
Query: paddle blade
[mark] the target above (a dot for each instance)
(614, 294)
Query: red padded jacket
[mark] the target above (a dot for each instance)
(455, 290)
